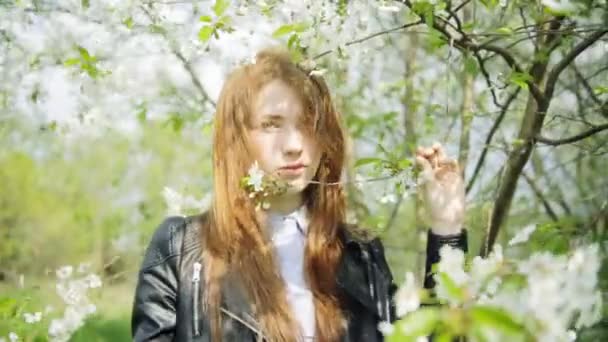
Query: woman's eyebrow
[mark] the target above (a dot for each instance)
(272, 116)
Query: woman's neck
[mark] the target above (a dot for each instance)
(286, 204)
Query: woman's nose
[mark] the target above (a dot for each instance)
(293, 142)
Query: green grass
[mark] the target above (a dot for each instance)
(99, 328)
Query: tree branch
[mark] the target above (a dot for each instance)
(185, 62)
(489, 138)
(568, 58)
(373, 35)
(541, 197)
(580, 136)
(589, 90)
(466, 43)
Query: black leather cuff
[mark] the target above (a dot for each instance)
(434, 244)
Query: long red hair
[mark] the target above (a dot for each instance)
(235, 238)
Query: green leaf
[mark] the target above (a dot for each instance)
(85, 3)
(293, 42)
(206, 18)
(490, 4)
(283, 30)
(289, 28)
(71, 61)
(518, 142)
(142, 114)
(435, 39)
(365, 161)
(404, 163)
(128, 22)
(429, 123)
(157, 29)
(454, 292)
(341, 10)
(7, 307)
(504, 30)
(599, 90)
(470, 66)
(444, 337)
(176, 122)
(520, 79)
(220, 7)
(84, 54)
(205, 33)
(497, 318)
(300, 27)
(421, 322)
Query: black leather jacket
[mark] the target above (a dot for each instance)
(168, 293)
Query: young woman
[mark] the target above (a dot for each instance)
(292, 269)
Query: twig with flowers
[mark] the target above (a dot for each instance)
(20, 322)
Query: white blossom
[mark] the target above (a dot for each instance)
(482, 270)
(386, 328)
(256, 176)
(561, 6)
(523, 235)
(452, 263)
(64, 272)
(407, 298)
(93, 281)
(13, 337)
(31, 318)
(388, 198)
(74, 293)
(318, 72)
(84, 267)
(177, 203)
(386, 8)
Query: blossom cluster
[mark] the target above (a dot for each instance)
(260, 186)
(544, 297)
(73, 290)
(73, 286)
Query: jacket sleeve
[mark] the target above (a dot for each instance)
(434, 244)
(154, 307)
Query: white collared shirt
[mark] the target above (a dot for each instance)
(288, 234)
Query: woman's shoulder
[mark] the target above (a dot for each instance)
(365, 240)
(351, 233)
(365, 245)
(173, 236)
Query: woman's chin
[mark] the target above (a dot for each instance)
(295, 186)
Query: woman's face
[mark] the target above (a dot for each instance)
(279, 137)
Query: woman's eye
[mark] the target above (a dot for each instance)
(270, 124)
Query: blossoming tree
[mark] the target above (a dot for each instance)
(517, 89)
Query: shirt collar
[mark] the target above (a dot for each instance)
(299, 215)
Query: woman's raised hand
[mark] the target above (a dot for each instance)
(441, 190)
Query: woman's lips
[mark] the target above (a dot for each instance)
(294, 170)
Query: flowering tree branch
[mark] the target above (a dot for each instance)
(373, 35)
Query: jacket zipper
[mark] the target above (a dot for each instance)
(370, 274)
(196, 279)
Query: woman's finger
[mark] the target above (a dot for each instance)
(441, 157)
(420, 150)
(427, 170)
